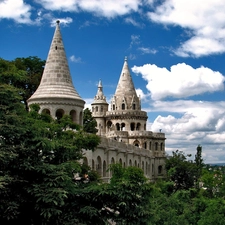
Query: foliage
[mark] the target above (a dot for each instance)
(89, 123)
(181, 171)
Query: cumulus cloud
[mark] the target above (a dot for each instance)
(17, 10)
(204, 19)
(180, 81)
(105, 8)
(198, 123)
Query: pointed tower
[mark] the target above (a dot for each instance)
(125, 118)
(99, 109)
(56, 94)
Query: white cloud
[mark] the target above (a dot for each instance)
(180, 81)
(105, 8)
(204, 18)
(17, 10)
(199, 123)
(147, 50)
(75, 59)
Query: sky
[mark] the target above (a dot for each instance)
(175, 51)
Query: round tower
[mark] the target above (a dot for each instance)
(126, 114)
(56, 94)
(99, 109)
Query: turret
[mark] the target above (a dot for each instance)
(99, 109)
(56, 94)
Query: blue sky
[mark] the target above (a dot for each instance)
(175, 50)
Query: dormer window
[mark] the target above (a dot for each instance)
(133, 106)
(113, 107)
(123, 106)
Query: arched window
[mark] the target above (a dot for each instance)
(117, 126)
(46, 111)
(96, 108)
(132, 126)
(145, 145)
(99, 165)
(101, 108)
(156, 146)
(59, 114)
(159, 169)
(104, 169)
(133, 106)
(150, 145)
(123, 106)
(73, 115)
(161, 146)
(130, 163)
(120, 162)
(113, 107)
(138, 126)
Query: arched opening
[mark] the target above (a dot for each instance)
(146, 168)
(112, 161)
(99, 165)
(159, 169)
(150, 145)
(156, 146)
(120, 162)
(132, 126)
(123, 106)
(145, 145)
(96, 109)
(123, 126)
(93, 164)
(124, 164)
(73, 115)
(143, 166)
(136, 143)
(81, 118)
(85, 161)
(117, 126)
(133, 106)
(104, 168)
(161, 146)
(109, 125)
(138, 127)
(135, 163)
(59, 114)
(113, 107)
(101, 108)
(46, 111)
(130, 162)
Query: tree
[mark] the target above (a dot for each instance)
(38, 157)
(89, 123)
(23, 73)
(199, 164)
(181, 171)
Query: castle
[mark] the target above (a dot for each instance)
(124, 138)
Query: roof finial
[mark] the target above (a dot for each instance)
(58, 21)
(125, 58)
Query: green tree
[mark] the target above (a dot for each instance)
(180, 170)
(23, 73)
(89, 123)
(38, 157)
(199, 164)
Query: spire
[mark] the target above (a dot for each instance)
(100, 97)
(56, 80)
(125, 85)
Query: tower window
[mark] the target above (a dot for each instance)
(123, 106)
(55, 47)
(133, 106)
(113, 107)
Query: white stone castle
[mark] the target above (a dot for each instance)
(124, 138)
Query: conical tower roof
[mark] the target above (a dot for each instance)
(125, 86)
(56, 82)
(100, 97)
(125, 92)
